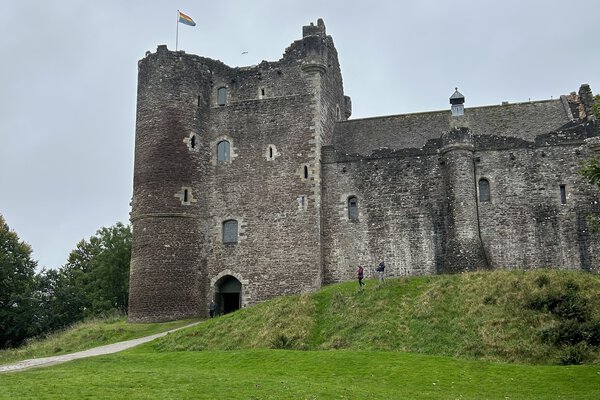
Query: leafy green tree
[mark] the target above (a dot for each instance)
(596, 107)
(97, 272)
(591, 169)
(17, 286)
(61, 301)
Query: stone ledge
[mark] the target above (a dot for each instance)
(162, 215)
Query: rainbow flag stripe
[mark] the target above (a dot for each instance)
(184, 19)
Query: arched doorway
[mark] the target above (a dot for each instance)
(228, 293)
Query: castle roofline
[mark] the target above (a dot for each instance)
(424, 113)
(524, 121)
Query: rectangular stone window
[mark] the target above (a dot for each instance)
(484, 190)
(563, 194)
(222, 96)
(223, 151)
(352, 208)
(230, 231)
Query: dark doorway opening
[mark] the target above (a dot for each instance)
(230, 301)
(228, 295)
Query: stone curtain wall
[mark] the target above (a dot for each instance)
(525, 225)
(406, 206)
(401, 214)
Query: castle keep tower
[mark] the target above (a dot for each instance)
(166, 213)
(227, 180)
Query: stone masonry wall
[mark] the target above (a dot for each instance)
(404, 207)
(401, 214)
(524, 225)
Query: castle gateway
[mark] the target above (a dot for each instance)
(251, 183)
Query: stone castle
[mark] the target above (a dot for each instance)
(252, 182)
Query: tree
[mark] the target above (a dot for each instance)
(61, 301)
(97, 271)
(94, 281)
(596, 107)
(17, 285)
(591, 169)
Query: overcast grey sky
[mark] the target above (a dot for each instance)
(68, 80)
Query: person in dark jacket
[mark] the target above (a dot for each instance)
(381, 270)
(212, 308)
(360, 273)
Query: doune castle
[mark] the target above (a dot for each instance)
(252, 182)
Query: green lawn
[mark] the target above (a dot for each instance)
(288, 374)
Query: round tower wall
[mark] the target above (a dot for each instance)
(172, 107)
(464, 251)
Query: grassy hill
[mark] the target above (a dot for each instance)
(530, 317)
(431, 337)
(527, 317)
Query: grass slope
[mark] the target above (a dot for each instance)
(481, 315)
(83, 336)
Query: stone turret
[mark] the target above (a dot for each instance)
(464, 250)
(313, 38)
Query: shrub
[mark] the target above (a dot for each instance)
(572, 307)
(574, 354)
(281, 341)
(575, 331)
(542, 280)
(569, 332)
(536, 303)
(489, 300)
(567, 305)
(593, 333)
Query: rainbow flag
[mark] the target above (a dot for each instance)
(184, 19)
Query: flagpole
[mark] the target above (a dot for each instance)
(177, 32)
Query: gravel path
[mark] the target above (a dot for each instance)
(97, 351)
